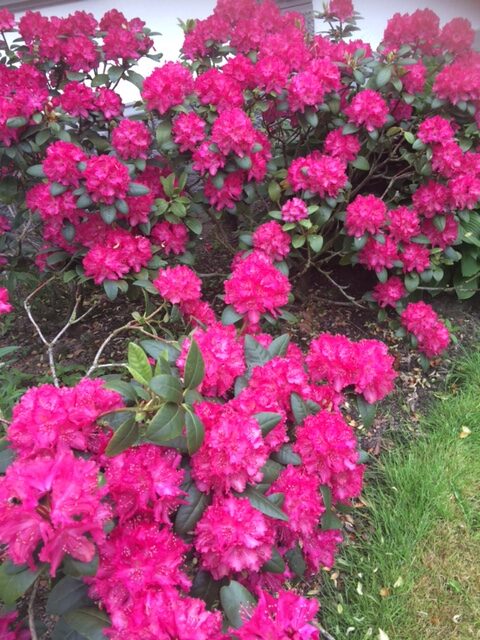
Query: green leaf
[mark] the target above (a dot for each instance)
(108, 213)
(135, 78)
(276, 564)
(79, 569)
(330, 521)
(57, 189)
(267, 421)
(156, 348)
(349, 128)
(84, 201)
(125, 389)
(263, 504)
(138, 364)
(440, 222)
(367, 412)
(166, 424)
(7, 456)
(206, 588)
(409, 137)
(236, 603)
(8, 189)
(64, 631)
(271, 470)
(15, 580)
(469, 266)
(383, 76)
(255, 354)
(361, 163)
(17, 122)
(285, 455)
(279, 346)
(137, 189)
(115, 73)
(302, 409)
(163, 133)
(167, 387)
(412, 280)
(194, 225)
(195, 431)
(99, 79)
(124, 437)
(90, 622)
(244, 163)
(274, 191)
(298, 241)
(230, 316)
(36, 171)
(111, 289)
(69, 593)
(194, 367)
(190, 513)
(316, 243)
(296, 561)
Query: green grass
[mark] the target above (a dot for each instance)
(412, 570)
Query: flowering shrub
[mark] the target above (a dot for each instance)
(348, 149)
(208, 479)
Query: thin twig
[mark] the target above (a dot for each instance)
(341, 288)
(31, 614)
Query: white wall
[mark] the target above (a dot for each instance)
(161, 15)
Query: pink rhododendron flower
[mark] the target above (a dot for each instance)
(419, 29)
(377, 255)
(232, 453)
(54, 501)
(321, 174)
(319, 550)
(5, 306)
(365, 214)
(232, 536)
(47, 417)
(460, 80)
(145, 479)
(256, 287)
(294, 210)
(431, 198)
(457, 36)
(167, 87)
(7, 20)
(233, 132)
(131, 139)
(218, 89)
(223, 355)
(343, 9)
(228, 194)
(61, 163)
(286, 616)
(119, 253)
(368, 109)
(138, 559)
(178, 284)
(339, 145)
(465, 191)
(171, 237)
(414, 78)
(108, 103)
(435, 129)
(77, 100)
(4, 225)
(432, 335)
(375, 374)
(188, 130)
(9, 627)
(404, 224)
(272, 240)
(106, 179)
(387, 294)
(197, 311)
(444, 238)
(415, 258)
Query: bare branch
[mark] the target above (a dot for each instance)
(31, 613)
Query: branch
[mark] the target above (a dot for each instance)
(342, 289)
(31, 615)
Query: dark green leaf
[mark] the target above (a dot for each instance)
(383, 76)
(115, 73)
(163, 133)
(135, 78)
(15, 123)
(137, 189)
(15, 580)
(166, 424)
(57, 189)
(167, 387)
(285, 455)
(90, 622)
(155, 349)
(190, 513)
(412, 280)
(316, 242)
(64, 631)
(276, 564)
(267, 421)
(194, 225)
(255, 354)
(195, 431)
(124, 437)
(99, 79)
(279, 346)
(361, 163)
(236, 601)
(206, 588)
(125, 389)
(367, 411)
(194, 367)
(296, 561)
(108, 213)
(69, 593)
(111, 289)
(263, 504)
(36, 171)
(230, 316)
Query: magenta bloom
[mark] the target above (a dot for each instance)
(365, 214)
(145, 479)
(178, 284)
(131, 139)
(171, 237)
(109, 103)
(404, 224)
(232, 453)
(232, 536)
(294, 210)
(436, 129)
(388, 293)
(188, 130)
(339, 145)
(223, 355)
(272, 240)
(432, 335)
(321, 174)
(54, 501)
(167, 87)
(286, 616)
(61, 163)
(107, 179)
(5, 306)
(77, 99)
(368, 109)
(256, 287)
(343, 9)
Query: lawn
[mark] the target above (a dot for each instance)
(411, 570)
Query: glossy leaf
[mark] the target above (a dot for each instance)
(194, 367)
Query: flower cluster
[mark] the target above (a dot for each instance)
(422, 321)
